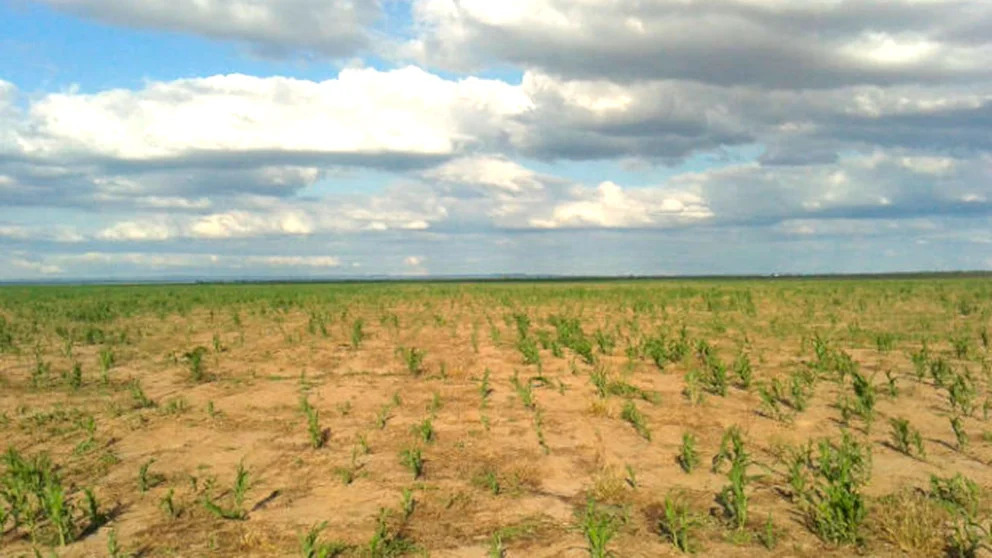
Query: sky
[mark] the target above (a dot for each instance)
(223, 139)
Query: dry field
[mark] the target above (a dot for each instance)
(648, 418)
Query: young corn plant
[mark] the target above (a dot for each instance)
(58, 510)
(799, 462)
(496, 549)
(834, 506)
(742, 368)
(357, 333)
(488, 478)
(905, 438)
(485, 390)
(147, 479)
(387, 542)
(539, 430)
(731, 446)
(106, 363)
(733, 498)
(959, 494)
(96, 517)
(312, 547)
(768, 536)
(138, 395)
(957, 426)
(318, 436)
(425, 430)
(921, 360)
(36, 498)
(716, 375)
(940, 372)
(413, 358)
(800, 390)
(693, 387)
(524, 389)
(967, 538)
(194, 361)
(688, 457)
(962, 394)
(237, 511)
(89, 425)
(528, 349)
(890, 381)
(383, 416)
(678, 523)
(631, 414)
(75, 377)
(864, 393)
(413, 459)
(168, 504)
(407, 503)
(599, 526)
(770, 402)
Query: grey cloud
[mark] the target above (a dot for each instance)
(898, 184)
(595, 119)
(726, 42)
(275, 27)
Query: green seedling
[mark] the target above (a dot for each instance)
(147, 479)
(905, 438)
(425, 430)
(194, 361)
(168, 504)
(238, 493)
(138, 395)
(957, 425)
(318, 436)
(413, 358)
(677, 523)
(599, 526)
(631, 414)
(312, 547)
(688, 457)
(413, 459)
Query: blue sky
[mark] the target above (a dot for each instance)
(307, 138)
